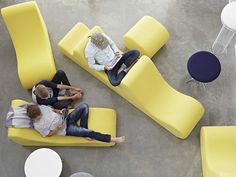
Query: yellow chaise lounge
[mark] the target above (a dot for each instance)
(100, 119)
(218, 151)
(30, 38)
(143, 86)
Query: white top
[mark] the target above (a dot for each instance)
(228, 15)
(49, 121)
(43, 162)
(98, 58)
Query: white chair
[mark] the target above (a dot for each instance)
(226, 34)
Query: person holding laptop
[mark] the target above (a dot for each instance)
(103, 55)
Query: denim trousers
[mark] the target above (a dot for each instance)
(73, 129)
(128, 59)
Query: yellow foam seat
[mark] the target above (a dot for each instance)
(102, 120)
(147, 36)
(30, 38)
(218, 151)
(143, 86)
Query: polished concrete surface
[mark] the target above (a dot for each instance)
(149, 150)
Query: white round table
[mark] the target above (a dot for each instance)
(81, 174)
(228, 15)
(226, 34)
(43, 162)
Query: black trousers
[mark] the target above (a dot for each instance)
(128, 59)
(60, 78)
(73, 129)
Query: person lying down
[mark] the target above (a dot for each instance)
(49, 121)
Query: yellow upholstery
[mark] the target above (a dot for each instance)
(147, 36)
(143, 86)
(102, 120)
(218, 150)
(30, 38)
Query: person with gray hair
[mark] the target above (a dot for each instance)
(103, 55)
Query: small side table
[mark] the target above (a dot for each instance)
(227, 32)
(81, 174)
(43, 162)
(204, 67)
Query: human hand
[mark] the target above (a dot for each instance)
(119, 53)
(77, 89)
(74, 90)
(108, 67)
(77, 96)
(62, 111)
(57, 111)
(60, 127)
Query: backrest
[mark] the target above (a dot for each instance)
(145, 82)
(79, 50)
(27, 30)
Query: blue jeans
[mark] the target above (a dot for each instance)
(128, 59)
(73, 129)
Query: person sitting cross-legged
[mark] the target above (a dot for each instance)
(57, 93)
(48, 122)
(103, 55)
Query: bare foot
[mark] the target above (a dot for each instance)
(120, 139)
(90, 139)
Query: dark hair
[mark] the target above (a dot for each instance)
(33, 111)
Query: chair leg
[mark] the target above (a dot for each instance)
(190, 80)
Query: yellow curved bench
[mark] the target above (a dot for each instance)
(30, 38)
(100, 119)
(147, 36)
(143, 86)
(218, 151)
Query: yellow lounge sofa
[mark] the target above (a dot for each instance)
(30, 38)
(147, 35)
(143, 86)
(218, 151)
(100, 119)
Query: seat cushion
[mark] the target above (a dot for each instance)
(100, 119)
(147, 36)
(218, 144)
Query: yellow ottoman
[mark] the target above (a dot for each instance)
(100, 119)
(218, 150)
(147, 36)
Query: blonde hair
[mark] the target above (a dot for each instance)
(41, 91)
(99, 40)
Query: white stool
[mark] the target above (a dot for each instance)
(228, 19)
(43, 162)
(81, 174)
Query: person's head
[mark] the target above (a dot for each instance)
(41, 91)
(34, 112)
(99, 40)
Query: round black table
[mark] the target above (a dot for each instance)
(204, 66)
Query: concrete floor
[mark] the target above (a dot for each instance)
(149, 150)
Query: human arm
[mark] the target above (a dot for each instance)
(90, 55)
(68, 87)
(55, 131)
(75, 96)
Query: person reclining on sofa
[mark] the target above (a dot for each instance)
(51, 92)
(103, 55)
(48, 122)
